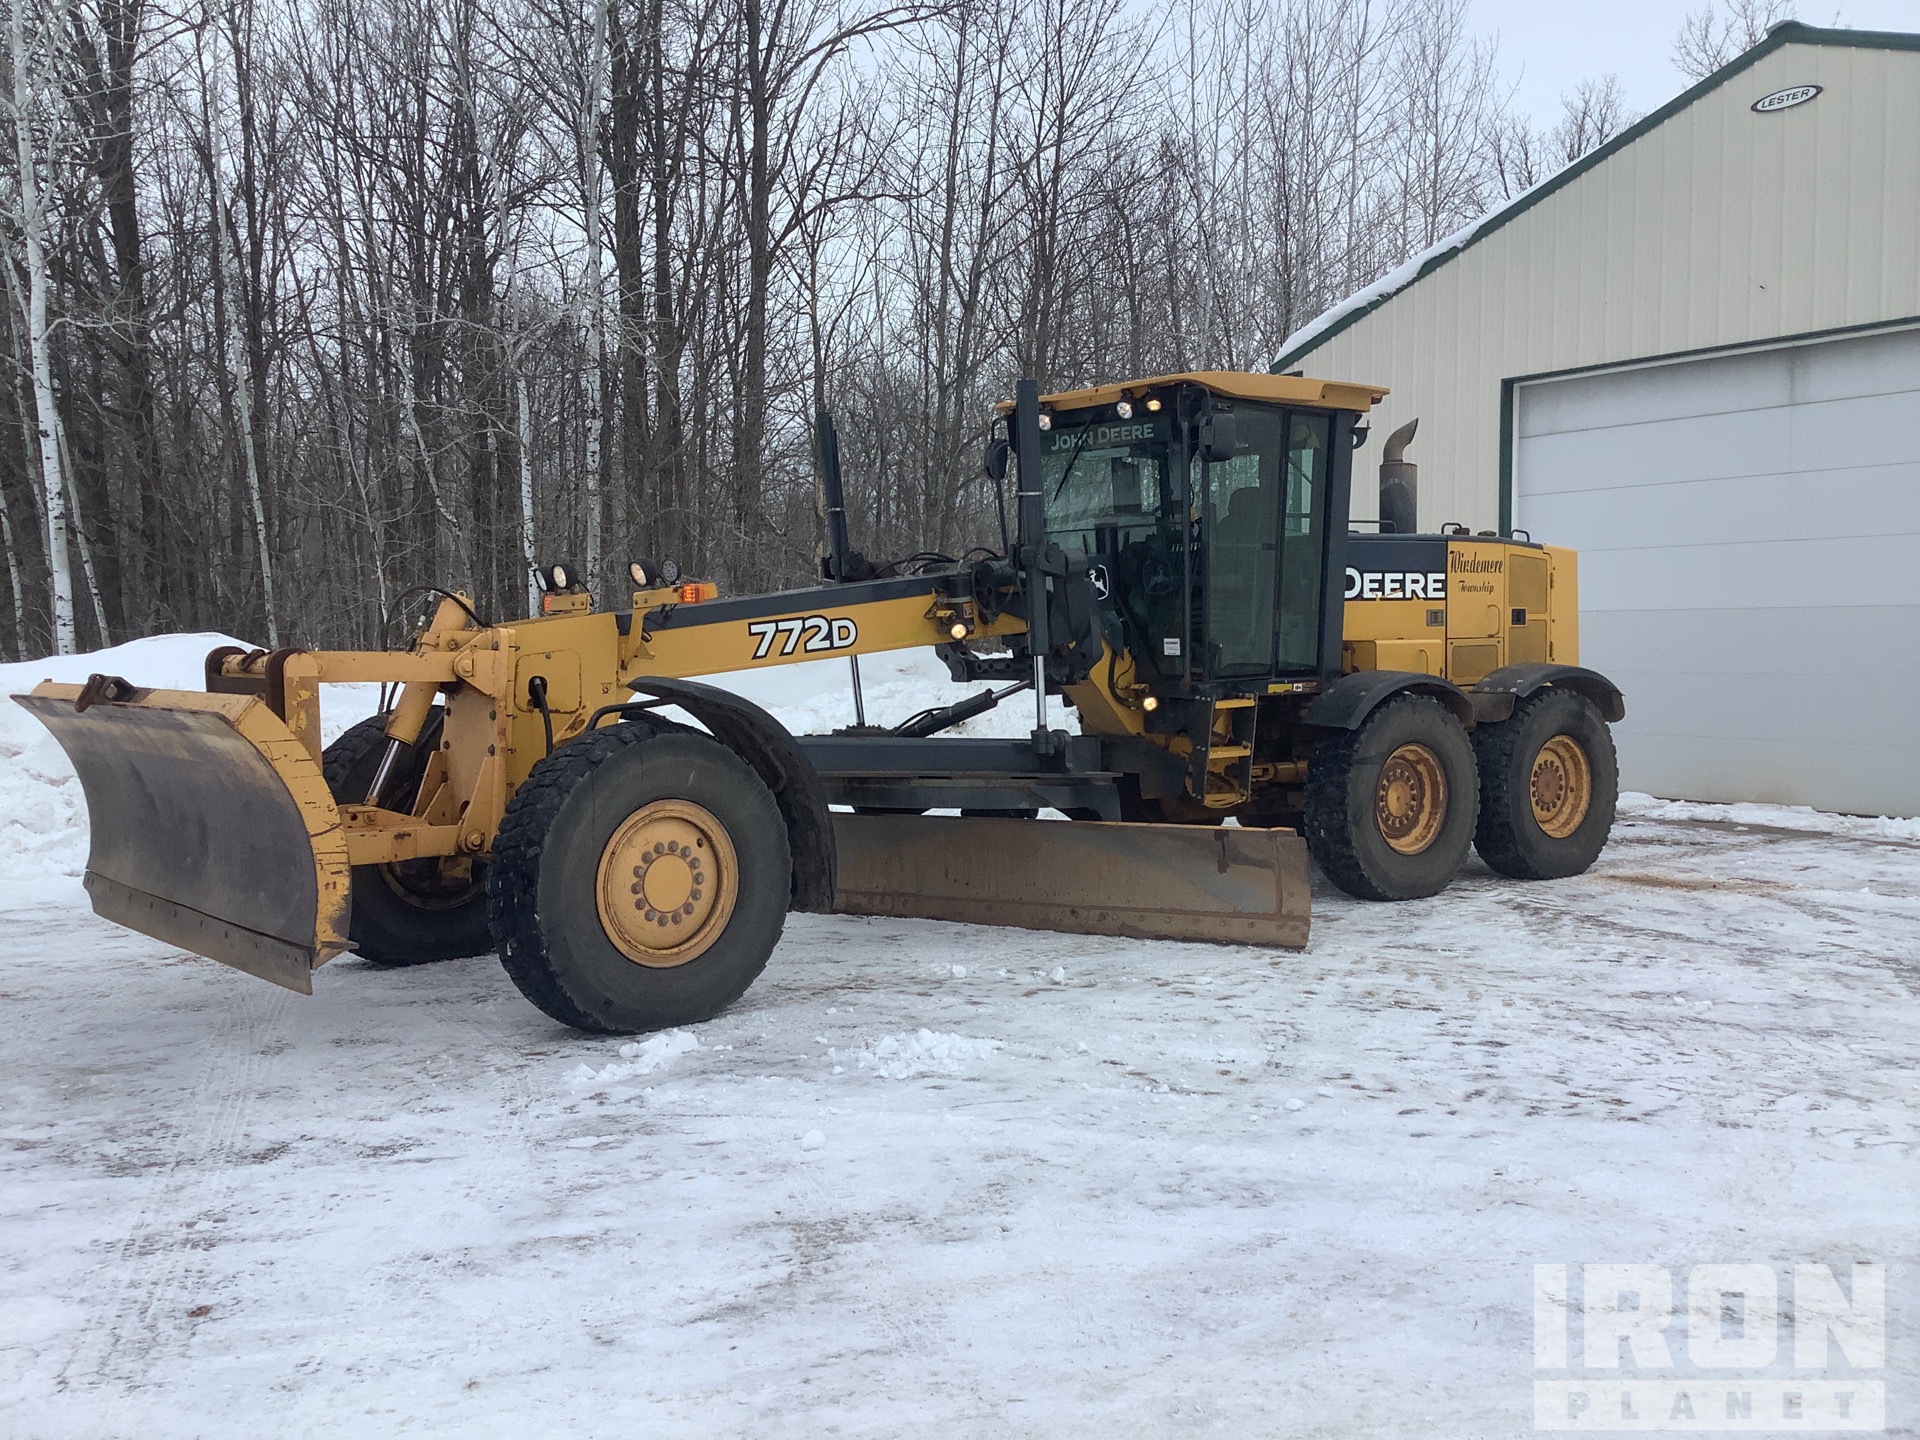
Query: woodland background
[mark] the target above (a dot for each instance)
(310, 301)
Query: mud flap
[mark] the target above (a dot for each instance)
(1152, 882)
(212, 826)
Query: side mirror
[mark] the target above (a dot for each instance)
(1219, 441)
(995, 460)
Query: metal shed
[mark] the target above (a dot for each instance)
(1695, 356)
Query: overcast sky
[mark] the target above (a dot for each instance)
(1551, 45)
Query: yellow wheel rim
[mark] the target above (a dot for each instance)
(667, 883)
(1410, 802)
(1561, 786)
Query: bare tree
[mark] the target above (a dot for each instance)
(320, 300)
(1591, 116)
(1722, 29)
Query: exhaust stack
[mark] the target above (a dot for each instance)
(1399, 484)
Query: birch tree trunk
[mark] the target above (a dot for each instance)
(236, 342)
(13, 580)
(525, 436)
(596, 288)
(81, 543)
(33, 221)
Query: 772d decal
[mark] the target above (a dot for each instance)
(822, 633)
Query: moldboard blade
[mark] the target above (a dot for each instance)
(212, 827)
(1152, 882)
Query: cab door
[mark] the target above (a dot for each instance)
(1265, 516)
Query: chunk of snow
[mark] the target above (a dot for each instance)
(813, 1140)
(639, 1057)
(924, 1052)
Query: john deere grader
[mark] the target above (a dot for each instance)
(1181, 571)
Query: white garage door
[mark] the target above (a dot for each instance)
(1749, 529)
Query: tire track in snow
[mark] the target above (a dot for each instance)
(160, 1269)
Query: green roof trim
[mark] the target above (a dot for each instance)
(1788, 32)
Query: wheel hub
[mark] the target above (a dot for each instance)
(667, 883)
(1410, 801)
(1561, 786)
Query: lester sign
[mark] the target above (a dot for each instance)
(1784, 99)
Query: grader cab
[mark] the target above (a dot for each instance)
(1252, 683)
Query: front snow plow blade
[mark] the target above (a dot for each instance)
(1150, 882)
(213, 828)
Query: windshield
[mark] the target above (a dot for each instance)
(1109, 471)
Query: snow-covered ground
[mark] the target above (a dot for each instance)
(943, 1180)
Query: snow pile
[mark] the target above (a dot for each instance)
(924, 1052)
(638, 1057)
(816, 696)
(1777, 817)
(43, 815)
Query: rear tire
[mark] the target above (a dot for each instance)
(590, 848)
(413, 912)
(1548, 784)
(1390, 807)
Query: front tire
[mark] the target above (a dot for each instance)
(412, 912)
(1549, 780)
(640, 879)
(1390, 807)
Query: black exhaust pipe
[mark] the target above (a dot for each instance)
(1399, 484)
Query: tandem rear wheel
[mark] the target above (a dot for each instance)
(1390, 806)
(640, 879)
(410, 912)
(1548, 784)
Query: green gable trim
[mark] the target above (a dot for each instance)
(1790, 32)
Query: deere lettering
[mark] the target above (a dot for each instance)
(1100, 436)
(1396, 584)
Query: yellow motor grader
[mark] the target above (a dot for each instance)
(1182, 572)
